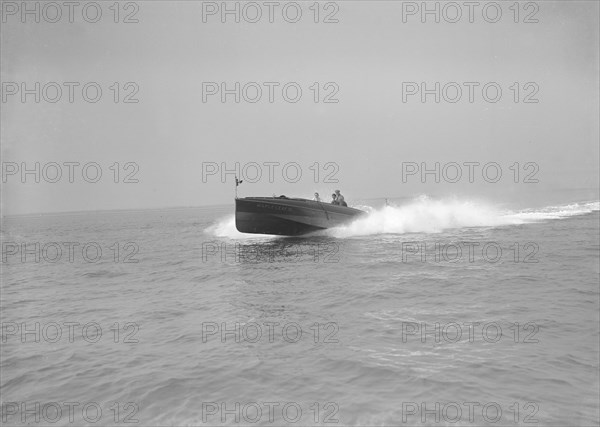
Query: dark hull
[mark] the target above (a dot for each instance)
(289, 217)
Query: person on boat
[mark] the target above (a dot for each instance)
(334, 199)
(340, 199)
(316, 198)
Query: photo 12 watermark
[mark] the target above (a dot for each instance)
(56, 12)
(270, 171)
(69, 92)
(469, 332)
(69, 171)
(252, 12)
(260, 413)
(270, 332)
(470, 92)
(258, 253)
(69, 252)
(50, 413)
(476, 413)
(470, 171)
(69, 332)
(270, 92)
(470, 252)
(453, 12)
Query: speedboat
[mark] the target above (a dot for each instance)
(287, 216)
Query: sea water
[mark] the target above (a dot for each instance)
(428, 311)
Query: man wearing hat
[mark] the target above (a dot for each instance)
(340, 199)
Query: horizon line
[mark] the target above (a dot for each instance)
(150, 208)
(3, 215)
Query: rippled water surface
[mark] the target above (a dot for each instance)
(336, 326)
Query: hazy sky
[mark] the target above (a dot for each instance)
(368, 134)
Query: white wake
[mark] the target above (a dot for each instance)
(427, 215)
